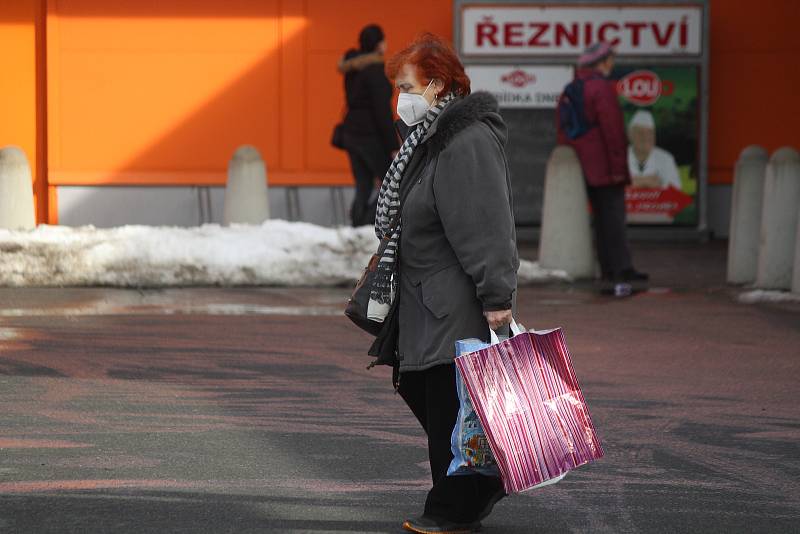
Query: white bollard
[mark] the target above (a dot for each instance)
(779, 220)
(748, 196)
(566, 238)
(16, 190)
(246, 194)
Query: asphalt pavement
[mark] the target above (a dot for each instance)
(216, 410)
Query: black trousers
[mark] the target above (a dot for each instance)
(432, 397)
(368, 162)
(608, 205)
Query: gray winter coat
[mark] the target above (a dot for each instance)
(458, 253)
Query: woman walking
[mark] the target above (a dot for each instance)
(456, 274)
(369, 135)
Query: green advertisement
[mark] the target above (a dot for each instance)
(661, 109)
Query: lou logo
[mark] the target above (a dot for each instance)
(518, 78)
(643, 87)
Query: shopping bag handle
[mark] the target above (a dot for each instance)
(515, 330)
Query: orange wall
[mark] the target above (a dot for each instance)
(163, 92)
(755, 73)
(21, 110)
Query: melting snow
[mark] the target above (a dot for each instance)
(276, 253)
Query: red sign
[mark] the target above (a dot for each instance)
(669, 201)
(519, 78)
(557, 30)
(643, 87)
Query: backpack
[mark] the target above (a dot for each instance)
(571, 115)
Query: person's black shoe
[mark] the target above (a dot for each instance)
(429, 525)
(499, 494)
(632, 275)
(639, 281)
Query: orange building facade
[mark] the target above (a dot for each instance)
(153, 93)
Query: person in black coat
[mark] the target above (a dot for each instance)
(369, 134)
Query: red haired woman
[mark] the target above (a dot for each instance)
(451, 262)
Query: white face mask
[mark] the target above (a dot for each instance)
(412, 107)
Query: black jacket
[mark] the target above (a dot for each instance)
(458, 253)
(369, 101)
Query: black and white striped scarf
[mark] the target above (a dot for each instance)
(384, 282)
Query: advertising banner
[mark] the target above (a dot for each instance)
(660, 106)
(521, 86)
(530, 30)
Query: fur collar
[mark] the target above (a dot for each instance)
(458, 115)
(360, 62)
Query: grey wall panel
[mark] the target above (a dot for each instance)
(116, 206)
(106, 207)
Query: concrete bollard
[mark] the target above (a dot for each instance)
(16, 190)
(566, 238)
(246, 194)
(748, 196)
(779, 220)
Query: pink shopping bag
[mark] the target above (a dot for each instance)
(527, 398)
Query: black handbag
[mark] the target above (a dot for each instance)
(356, 308)
(337, 139)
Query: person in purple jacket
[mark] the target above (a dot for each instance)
(597, 133)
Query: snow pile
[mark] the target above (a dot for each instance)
(761, 295)
(276, 253)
